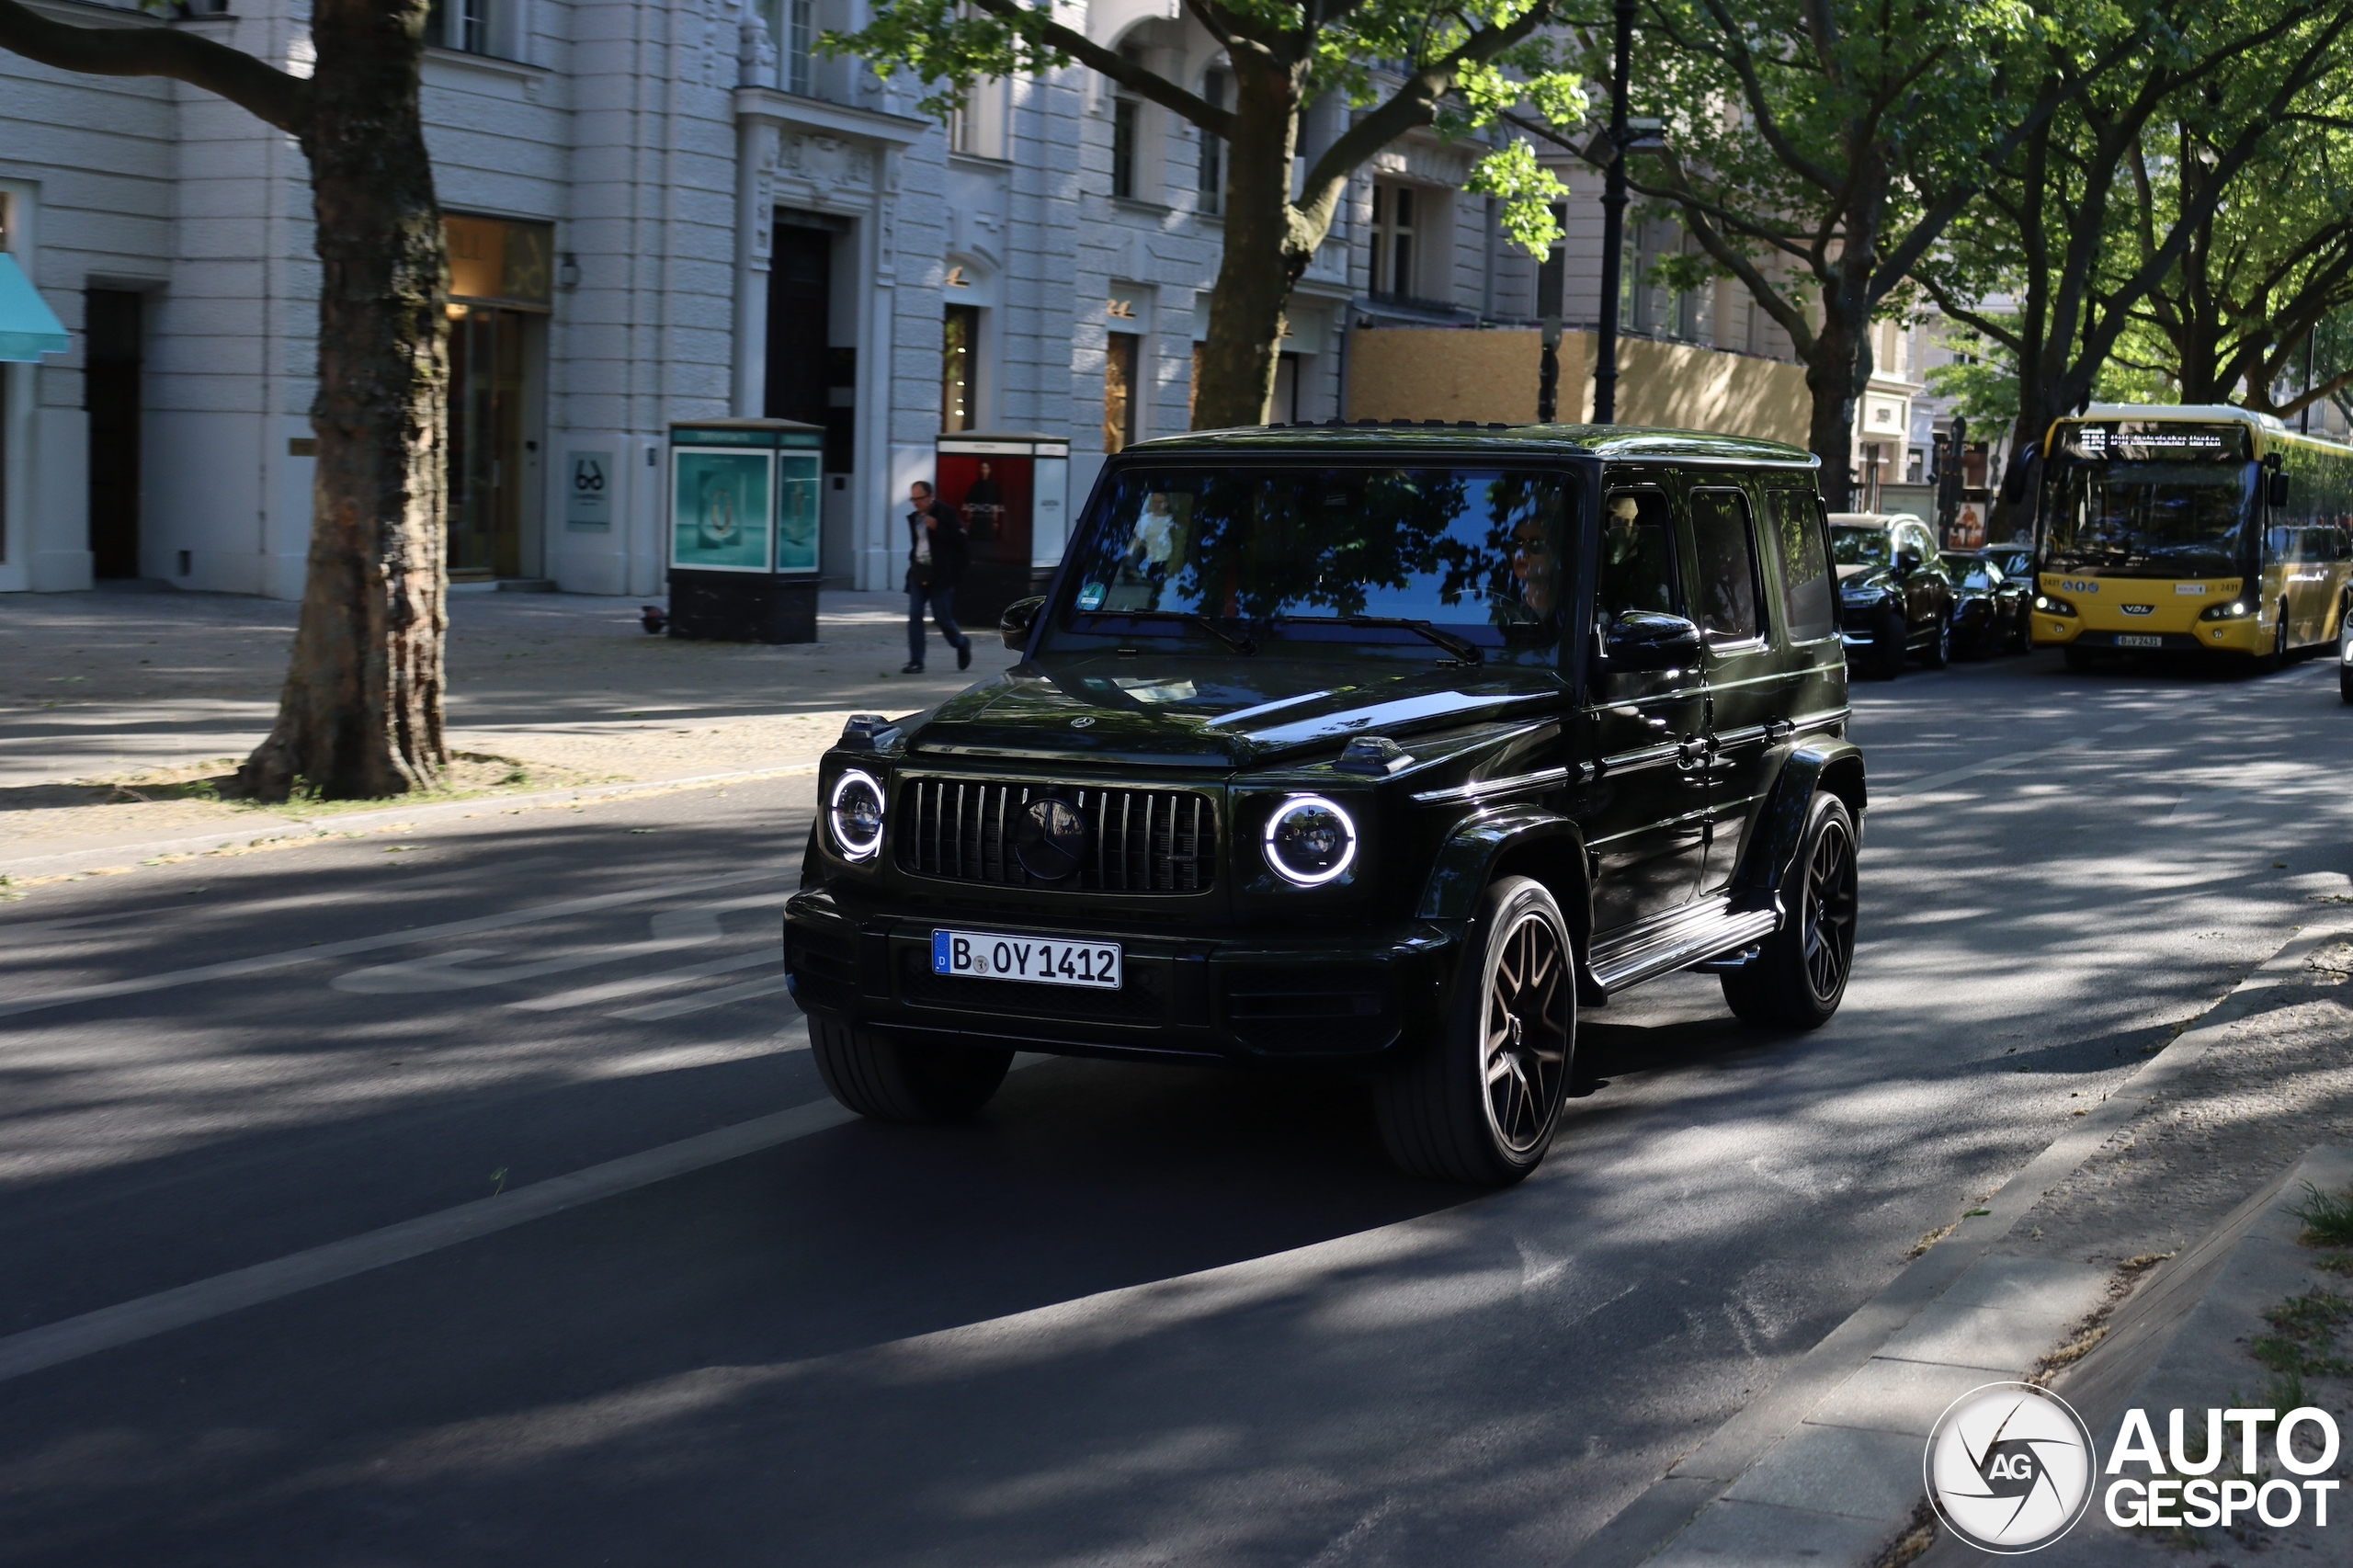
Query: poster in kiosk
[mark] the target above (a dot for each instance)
(1012, 490)
(743, 531)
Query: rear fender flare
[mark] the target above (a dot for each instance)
(1779, 829)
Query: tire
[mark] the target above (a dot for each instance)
(1481, 1103)
(880, 1075)
(1939, 652)
(2080, 659)
(1798, 975)
(2021, 640)
(2275, 660)
(2344, 679)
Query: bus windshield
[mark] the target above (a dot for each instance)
(1278, 551)
(2149, 520)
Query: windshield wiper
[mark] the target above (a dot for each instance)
(1463, 648)
(1232, 640)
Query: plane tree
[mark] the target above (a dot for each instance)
(1400, 67)
(361, 711)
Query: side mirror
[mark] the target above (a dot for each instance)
(1646, 639)
(1015, 624)
(2274, 489)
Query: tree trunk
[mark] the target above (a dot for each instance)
(1263, 256)
(361, 714)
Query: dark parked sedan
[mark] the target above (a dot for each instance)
(1894, 595)
(1991, 606)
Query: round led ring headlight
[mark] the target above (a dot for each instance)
(1309, 840)
(855, 814)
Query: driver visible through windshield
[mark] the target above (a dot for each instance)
(1469, 559)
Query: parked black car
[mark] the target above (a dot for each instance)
(1993, 612)
(1894, 594)
(1380, 750)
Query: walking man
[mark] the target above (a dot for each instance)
(935, 565)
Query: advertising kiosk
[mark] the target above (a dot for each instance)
(1013, 491)
(743, 528)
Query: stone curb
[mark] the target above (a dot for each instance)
(1824, 1467)
(122, 856)
(2179, 1342)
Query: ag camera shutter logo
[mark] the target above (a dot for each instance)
(2010, 1466)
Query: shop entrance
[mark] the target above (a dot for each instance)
(501, 285)
(487, 467)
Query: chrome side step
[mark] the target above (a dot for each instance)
(1697, 937)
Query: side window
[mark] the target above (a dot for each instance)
(1727, 565)
(1637, 556)
(1805, 567)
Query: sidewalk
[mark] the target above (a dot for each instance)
(2146, 1221)
(113, 695)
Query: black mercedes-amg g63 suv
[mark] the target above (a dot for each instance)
(1380, 748)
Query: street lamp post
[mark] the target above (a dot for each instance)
(1613, 223)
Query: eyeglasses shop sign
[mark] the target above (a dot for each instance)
(2011, 1468)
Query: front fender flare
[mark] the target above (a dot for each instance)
(1524, 840)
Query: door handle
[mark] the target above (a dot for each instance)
(1777, 729)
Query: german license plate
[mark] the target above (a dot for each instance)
(2138, 640)
(1041, 961)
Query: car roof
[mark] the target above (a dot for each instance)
(1433, 436)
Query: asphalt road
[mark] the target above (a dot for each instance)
(1134, 1314)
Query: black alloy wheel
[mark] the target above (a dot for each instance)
(1481, 1104)
(1799, 973)
(881, 1075)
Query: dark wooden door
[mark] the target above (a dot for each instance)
(111, 395)
(801, 275)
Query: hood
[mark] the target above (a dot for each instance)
(1866, 576)
(1211, 712)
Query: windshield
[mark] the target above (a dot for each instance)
(1278, 551)
(2153, 520)
(1851, 546)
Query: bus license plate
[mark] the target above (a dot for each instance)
(2141, 640)
(1041, 961)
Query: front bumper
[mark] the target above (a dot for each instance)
(1336, 997)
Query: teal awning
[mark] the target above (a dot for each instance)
(29, 328)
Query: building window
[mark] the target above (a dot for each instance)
(1552, 273)
(1123, 148)
(1122, 356)
(460, 24)
(792, 31)
(959, 360)
(1393, 217)
(1213, 183)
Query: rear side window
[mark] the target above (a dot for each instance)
(1637, 556)
(1727, 565)
(1805, 566)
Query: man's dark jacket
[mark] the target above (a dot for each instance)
(948, 550)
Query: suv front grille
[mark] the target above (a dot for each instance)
(1138, 840)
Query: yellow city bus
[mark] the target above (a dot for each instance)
(2190, 527)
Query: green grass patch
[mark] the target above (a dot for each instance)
(2327, 1217)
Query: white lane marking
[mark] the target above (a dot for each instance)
(1912, 786)
(237, 967)
(767, 987)
(127, 1322)
(587, 994)
(672, 928)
